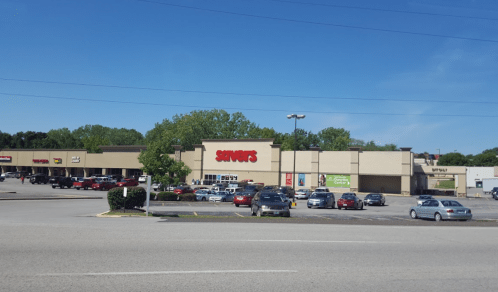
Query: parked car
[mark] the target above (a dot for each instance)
(114, 177)
(303, 194)
(84, 183)
(203, 195)
(253, 188)
(322, 200)
(322, 190)
(423, 198)
(2, 178)
(269, 203)
(494, 193)
(9, 174)
(441, 210)
(234, 191)
(375, 199)
(287, 191)
(221, 196)
(61, 181)
(183, 190)
(269, 188)
(127, 182)
(157, 186)
(39, 178)
(243, 198)
(103, 185)
(199, 188)
(19, 174)
(349, 200)
(142, 179)
(286, 200)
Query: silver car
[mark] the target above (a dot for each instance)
(221, 196)
(441, 210)
(203, 195)
(303, 193)
(423, 198)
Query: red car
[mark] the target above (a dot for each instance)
(127, 182)
(103, 185)
(84, 183)
(182, 190)
(243, 198)
(349, 200)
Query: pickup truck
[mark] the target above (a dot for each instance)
(84, 183)
(61, 181)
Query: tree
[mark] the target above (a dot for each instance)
(91, 144)
(64, 139)
(332, 139)
(5, 139)
(163, 168)
(487, 158)
(453, 159)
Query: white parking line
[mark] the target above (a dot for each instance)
(319, 241)
(239, 215)
(195, 213)
(170, 272)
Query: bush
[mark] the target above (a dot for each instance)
(135, 197)
(167, 196)
(187, 197)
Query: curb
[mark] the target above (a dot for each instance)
(48, 198)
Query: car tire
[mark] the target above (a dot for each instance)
(437, 217)
(287, 215)
(39, 182)
(258, 213)
(224, 200)
(203, 199)
(237, 205)
(290, 205)
(85, 188)
(309, 207)
(53, 187)
(338, 207)
(413, 214)
(361, 206)
(252, 212)
(77, 189)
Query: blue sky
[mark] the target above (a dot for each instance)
(425, 80)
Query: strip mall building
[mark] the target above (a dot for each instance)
(257, 159)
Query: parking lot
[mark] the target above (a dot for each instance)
(396, 207)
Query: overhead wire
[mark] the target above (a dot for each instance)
(321, 23)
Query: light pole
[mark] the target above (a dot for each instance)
(296, 117)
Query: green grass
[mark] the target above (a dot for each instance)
(446, 184)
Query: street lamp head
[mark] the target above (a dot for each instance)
(291, 116)
(300, 116)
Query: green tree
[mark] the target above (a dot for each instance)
(91, 144)
(487, 158)
(64, 139)
(5, 140)
(162, 168)
(332, 139)
(453, 159)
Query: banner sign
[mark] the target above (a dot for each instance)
(301, 181)
(338, 181)
(58, 160)
(5, 158)
(288, 179)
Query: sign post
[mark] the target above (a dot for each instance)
(149, 178)
(125, 192)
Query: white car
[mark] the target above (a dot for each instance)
(142, 179)
(303, 194)
(9, 174)
(322, 190)
(157, 186)
(221, 196)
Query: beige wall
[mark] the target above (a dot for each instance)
(377, 162)
(335, 162)
(380, 184)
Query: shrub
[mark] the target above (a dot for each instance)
(135, 197)
(167, 196)
(187, 197)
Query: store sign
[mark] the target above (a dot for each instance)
(301, 181)
(5, 158)
(439, 170)
(75, 159)
(58, 160)
(237, 155)
(40, 160)
(338, 181)
(288, 179)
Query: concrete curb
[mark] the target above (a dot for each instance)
(47, 198)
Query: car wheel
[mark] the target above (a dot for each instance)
(252, 211)
(287, 215)
(77, 189)
(437, 217)
(224, 200)
(290, 205)
(203, 198)
(258, 213)
(53, 187)
(236, 205)
(383, 204)
(85, 188)
(309, 207)
(39, 182)
(361, 206)
(413, 214)
(338, 207)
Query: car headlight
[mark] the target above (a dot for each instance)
(265, 207)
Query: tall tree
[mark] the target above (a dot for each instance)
(332, 139)
(453, 159)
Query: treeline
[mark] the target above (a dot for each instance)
(186, 130)
(86, 137)
(486, 158)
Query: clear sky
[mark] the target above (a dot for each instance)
(417, 73)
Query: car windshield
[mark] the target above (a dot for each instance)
(81, 180)
(250, 188)
(271, 198)
(425, 197)
(302, 190)
(348, 197)
(373, 196)
(319, 195)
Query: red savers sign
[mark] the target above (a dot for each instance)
(237, 155)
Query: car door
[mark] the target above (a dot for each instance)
(423, 209)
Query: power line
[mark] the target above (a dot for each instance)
(385, 10)
(321, 23)
(242, 109)
(250, 94)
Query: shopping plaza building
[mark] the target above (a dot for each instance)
(259, 160)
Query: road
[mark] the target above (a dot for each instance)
(59, 245)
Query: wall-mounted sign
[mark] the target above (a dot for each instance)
(40, 160)
(75, 159)
(58, 160)
(237, 155)
(5, 158)
(301, 181)
(439, 170)
(335, 180)
(288, 179)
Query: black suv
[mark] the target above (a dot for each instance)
(38, 178)
(269, 203)
(494, 193)
(61, 181)
(287, 191)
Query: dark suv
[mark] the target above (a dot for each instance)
(269, 203)
(287, 191)
(494, 193)
(61, 181)
(38, 178)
